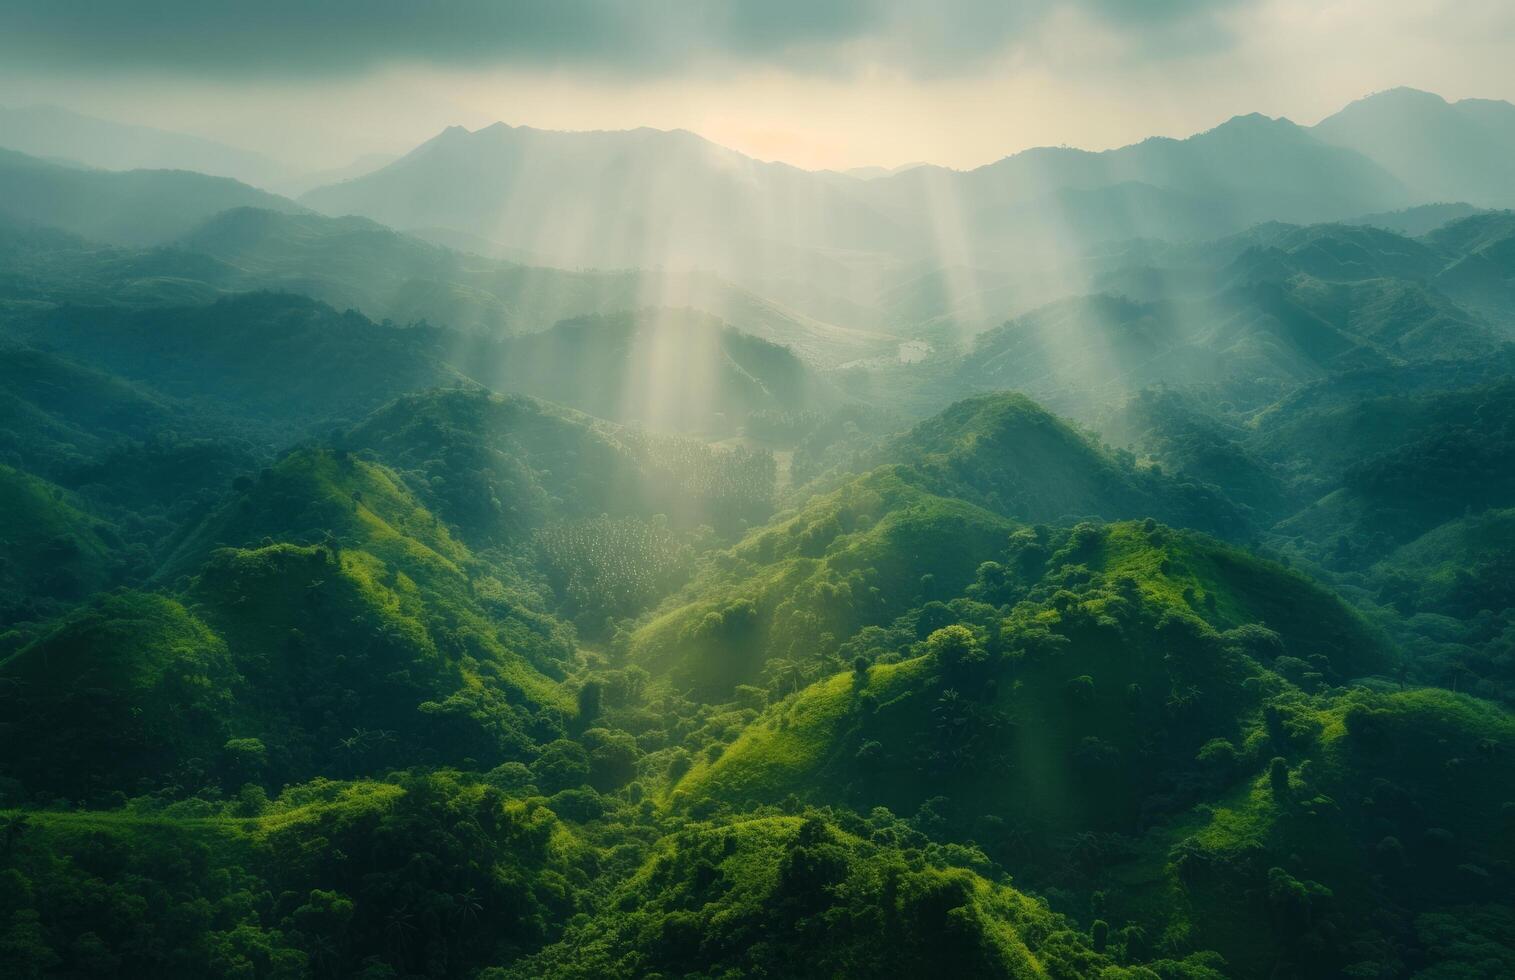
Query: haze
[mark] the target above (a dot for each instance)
(783, 489)
(826, 84)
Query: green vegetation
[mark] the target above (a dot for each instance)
(51, 551)
(440, 616)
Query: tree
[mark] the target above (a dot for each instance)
(956, 649)
(562, 765)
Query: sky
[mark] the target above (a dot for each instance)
(816, 83)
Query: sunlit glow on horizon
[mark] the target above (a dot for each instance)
(1076, 82)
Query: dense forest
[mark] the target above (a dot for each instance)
(373, 607)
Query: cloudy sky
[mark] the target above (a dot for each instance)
(819, 83)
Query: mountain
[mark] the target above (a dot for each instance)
(1416, 221)
(832, 246)
(940, 501)
(619, 366)
(1246, 170)
(1253, 339)
(374, 608)
(237, 657)
(1483, 273)
(612, 199)
(1441, 151)
(673, 370)
(534, 190)
(357, 263)
(134, 207)
(57, 133)
(1134, 678)
(354, 262)
(1009, 454)
(275, 358)
(516, 465)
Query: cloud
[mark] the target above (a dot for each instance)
(644, 38)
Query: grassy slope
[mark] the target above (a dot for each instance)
(393, 611)
(851, 558)
(803, 745)
(395, 554)
(1228, 588)
(1006, 453)
(1352, 755)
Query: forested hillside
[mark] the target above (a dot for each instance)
(375, 608)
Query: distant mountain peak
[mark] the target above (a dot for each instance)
(1444, 151)
(1404, 94)
(1252, 122)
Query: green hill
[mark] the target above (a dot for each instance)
(351, 262)
(385, 633)
(56, 414)
(1008, 454)
(1461, 568)
(131, 689)
(349, 507)
(1069, 737)
(716, 900)
(51, 547)
(1187, 434)
(897, 536)
(441, 616)
(514, 464)
(792, 591)
(270, 361)
(1153, 615)
(271, 885)
(1444, 456)
(1269, 330)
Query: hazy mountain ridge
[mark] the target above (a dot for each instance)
(1248, 169)
(133, 207)
(50, 131)
(1454, 153)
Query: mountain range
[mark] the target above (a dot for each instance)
(1090, 565)
(672, 194)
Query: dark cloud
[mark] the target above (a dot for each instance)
(637, 37)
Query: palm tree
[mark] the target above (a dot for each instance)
(400, 926)
(466, 907)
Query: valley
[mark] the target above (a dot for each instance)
(605, 554)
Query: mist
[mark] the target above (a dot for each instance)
(815, 488)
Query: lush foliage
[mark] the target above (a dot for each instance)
(320, 658)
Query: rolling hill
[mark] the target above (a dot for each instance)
(131, 207)
(52, 132)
